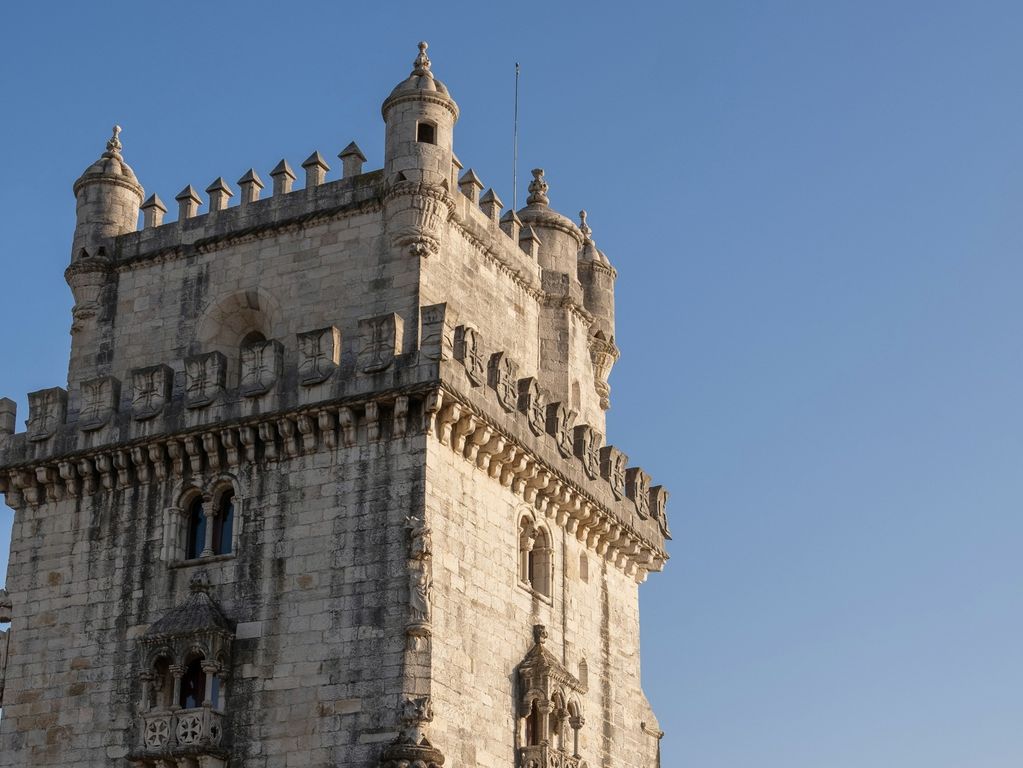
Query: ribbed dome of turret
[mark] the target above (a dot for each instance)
(421, 84)
(110, 166)
(539, 213)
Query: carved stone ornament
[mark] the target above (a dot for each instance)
(204, 378)
(420, 585)
(603, 354)
(380, 339)
(437, 336)
(587, 448)
(612, 469)
(420, 544)
(560, 421)
(417, 223)
(261, 367)
(319, 353)
(659, 508)
(150, 390)
(637, 487)
(47, 410)
(533, 404)
(99, 402)
(502, 374)
(469, 349)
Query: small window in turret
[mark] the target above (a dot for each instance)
(426, 133)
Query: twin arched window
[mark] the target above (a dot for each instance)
(210, 527)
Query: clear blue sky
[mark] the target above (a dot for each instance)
(816, 211)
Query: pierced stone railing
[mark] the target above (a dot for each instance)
(545, 756)
(167, 732)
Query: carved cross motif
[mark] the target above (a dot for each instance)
(587, 448)
(560, 421)
(381, 341)
(99, 402)
(637, 486)
(151, 389)
(532, 403)
(436, 336)
(204, 379)
(612, 469)
(261, 365)
(503, 377)
(47, 409)
(469, 349)
(318, 355)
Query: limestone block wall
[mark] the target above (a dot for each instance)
(315, 586)
(484, 617)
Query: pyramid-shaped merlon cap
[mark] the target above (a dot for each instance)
(188, 193)
(490, 198)
(154, 202)
(251, 177)
(316, 160)
(511, 218)
(470, 177)
(528, 234)
(219, 185)
(352, 150)
(283, 169)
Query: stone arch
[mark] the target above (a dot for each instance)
(233, 318)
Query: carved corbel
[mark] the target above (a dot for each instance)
(450, 414)
(248, 438)
(501, 459)
(289, 440)
(327, 422)
(307, 429)
(268, 436)
(122, 464)
(487, 452)
(431, 407)
(194, 451)
(87, 473)
(211, 446)
(229, 439)
(48, 478)
(140, 459)
(478, 437)
(349, 427)
(400, 416)
(105, 467)
(158, 458)
(176, 452)
(69, 475)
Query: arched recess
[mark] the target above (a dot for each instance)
(234, 319)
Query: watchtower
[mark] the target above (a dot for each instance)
(328, 483)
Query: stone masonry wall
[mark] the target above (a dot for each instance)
(316, 588)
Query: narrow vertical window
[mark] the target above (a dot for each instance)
(223, 525)
(193, 685)
(196, 536)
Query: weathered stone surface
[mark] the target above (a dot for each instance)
(373, 423)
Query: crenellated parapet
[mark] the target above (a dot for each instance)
(294, 397)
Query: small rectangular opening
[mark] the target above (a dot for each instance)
(426, 133)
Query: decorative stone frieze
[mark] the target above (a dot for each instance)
(503, 378)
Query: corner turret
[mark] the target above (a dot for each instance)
(108, 197)
(597, 277)
(420, 116)
(560, 239)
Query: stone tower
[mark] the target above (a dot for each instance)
(328, 485)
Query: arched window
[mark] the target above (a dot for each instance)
(223, 524)
(193, 685)
(195, 541)
(533, 729)
(252, 337)
(161, 685)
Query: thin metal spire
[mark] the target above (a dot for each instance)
(515, 145)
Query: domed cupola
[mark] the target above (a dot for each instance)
(560, 238)
(420, 116)
(108, 197)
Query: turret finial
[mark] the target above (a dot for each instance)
(422, 62)
(584, 227)
(114, 143)
(537, 189)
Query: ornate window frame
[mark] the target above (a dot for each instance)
(177, 521)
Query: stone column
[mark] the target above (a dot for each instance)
(209, 510)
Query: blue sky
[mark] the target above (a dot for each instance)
(815, 212)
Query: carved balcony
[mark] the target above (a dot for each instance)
(189, 738)
(546, 756)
